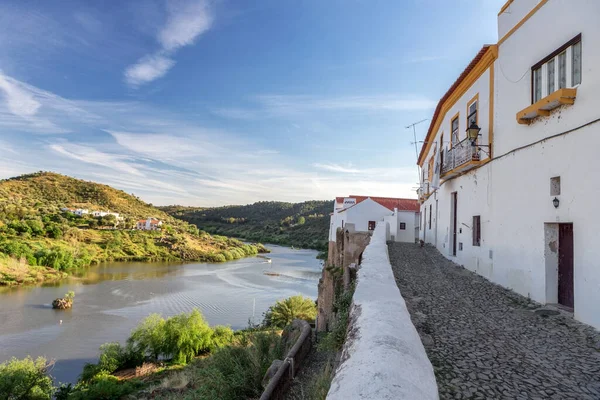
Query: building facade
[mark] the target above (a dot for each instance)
(149, 224)
(362, 213)
(516, 205)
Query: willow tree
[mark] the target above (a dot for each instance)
(283, 312)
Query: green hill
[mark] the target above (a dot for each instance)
(38, 240)
(303, 225)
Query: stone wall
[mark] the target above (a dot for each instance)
(344, 255)
(383, 357)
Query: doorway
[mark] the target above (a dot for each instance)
(435, 233)
(453, 223)
(565, 266)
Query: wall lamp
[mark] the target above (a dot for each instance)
(556, 202)
(473, 134)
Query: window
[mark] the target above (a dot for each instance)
(551, 76)
(441, 151)
(402, 226)
(576, 64)
(472, 115)
(561, 69)
(537, 85)
(371, 225)
(555, 186)
(430, 216)
(477, 230)
(455, 131)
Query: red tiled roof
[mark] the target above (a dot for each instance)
(389, 202)
(438, 109)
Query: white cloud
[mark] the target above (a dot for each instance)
(90, 155)
(18, 101)
(147, 69)
(294, 103)
(185, 22)
(337, 168)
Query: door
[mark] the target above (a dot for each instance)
(436, 223)
(565, 265)
(454, 206)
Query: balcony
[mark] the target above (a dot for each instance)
(460, 158)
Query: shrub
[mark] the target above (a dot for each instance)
(285, 311)
(222, 336)
(187, 335)
(25, 379)
(102, 387)
(148, 338)
(236, 372)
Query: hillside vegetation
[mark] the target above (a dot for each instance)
(303, 225)
(40, 241)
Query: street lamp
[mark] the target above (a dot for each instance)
(473, 132)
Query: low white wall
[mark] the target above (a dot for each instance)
(383, 357)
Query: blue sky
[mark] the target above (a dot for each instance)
(201, 102)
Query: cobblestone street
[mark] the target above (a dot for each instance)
(486, 342)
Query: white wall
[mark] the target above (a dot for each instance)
(512, 192)
(566, 19)
(365, 211)
(386, 359)
(513, 14)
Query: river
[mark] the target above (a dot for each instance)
(112, 298)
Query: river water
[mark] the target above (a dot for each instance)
(112, 298)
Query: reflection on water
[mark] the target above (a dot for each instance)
(112, 298)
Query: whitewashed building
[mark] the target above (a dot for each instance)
(364, 212)
(521, 212)
(149, 224)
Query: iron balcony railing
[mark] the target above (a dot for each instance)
(460, 154)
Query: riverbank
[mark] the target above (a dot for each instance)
(17, 272)
(40, 260)
(113, 297)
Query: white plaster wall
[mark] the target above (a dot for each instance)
(383, 357)
(513, 14)
(512, 195)
(407, 235)
(363, 212)
(550, 27)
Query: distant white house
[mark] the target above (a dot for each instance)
(364, 212)
(76, 211)
(149, 224)
(105, 213)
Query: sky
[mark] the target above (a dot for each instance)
(214, 102)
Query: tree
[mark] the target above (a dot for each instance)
(25, 379)
(301, 220)
(148, 338)
(285, 311)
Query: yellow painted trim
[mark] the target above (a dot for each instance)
(456, 116)
(521, 22)
(491, 117)
(488, 59)
(505, 6)
(474, 164)
(562, 96)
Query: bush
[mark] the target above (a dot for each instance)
(25, 379)
(187, 335)
(102, 387)
(236, 372)
(148, 338)
(285, 311)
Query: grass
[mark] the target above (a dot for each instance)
(15, 272)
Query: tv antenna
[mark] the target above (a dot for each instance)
(413, 126)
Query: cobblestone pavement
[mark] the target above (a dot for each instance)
(486, 342)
